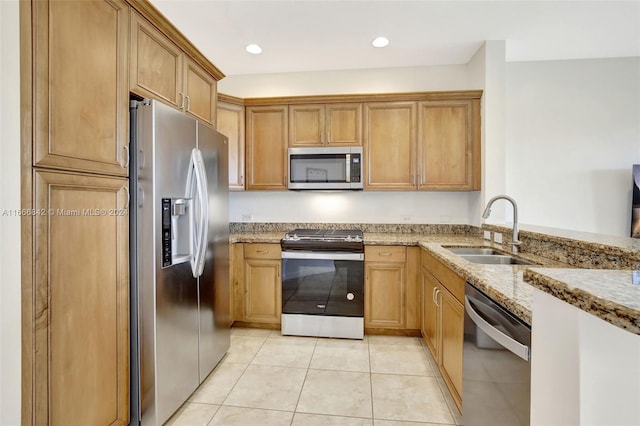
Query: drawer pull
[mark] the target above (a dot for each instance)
(262, 251)
(386, 253)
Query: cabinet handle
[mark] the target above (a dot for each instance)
(241, 180)
(262, 251)
(385, 253)
(126, 162)
(188, 98)
(126, 188)
(181, 100)
(436, 301)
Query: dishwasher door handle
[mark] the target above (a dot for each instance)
(510, 344)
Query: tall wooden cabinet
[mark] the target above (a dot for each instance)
(230, 122)
(75, 271)
(266, 147)
(81, 299)
(79, 62)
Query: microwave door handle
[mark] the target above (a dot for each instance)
(347, 164)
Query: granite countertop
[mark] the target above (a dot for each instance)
(613, 296)
(608, 294)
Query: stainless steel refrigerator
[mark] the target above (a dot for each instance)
(180, 314)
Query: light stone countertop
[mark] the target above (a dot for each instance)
(613, 296)
(605, 293)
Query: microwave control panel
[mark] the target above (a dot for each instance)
(356, 166)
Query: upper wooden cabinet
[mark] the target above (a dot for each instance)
(230, 122)
(449, 145)
(390, 145)
(427, 145)
(161, 70)
(80, 91)
(316, 125)
(266, 147)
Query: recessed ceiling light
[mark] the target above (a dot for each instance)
(254, 49)
(380, 42)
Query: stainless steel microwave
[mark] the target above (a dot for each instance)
(327, 168)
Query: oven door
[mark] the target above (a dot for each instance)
(323, 283)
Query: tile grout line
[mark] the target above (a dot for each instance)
(306, 373)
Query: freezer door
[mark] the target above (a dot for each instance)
(215, 316)
(168, 295)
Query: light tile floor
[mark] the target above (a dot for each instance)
(270, 379)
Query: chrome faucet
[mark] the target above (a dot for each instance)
(515, 242)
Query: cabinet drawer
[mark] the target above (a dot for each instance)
(449, 279)
(385, 253)
(262, 251)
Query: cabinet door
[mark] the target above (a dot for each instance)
(384, 295)
(81, 94)
(156, 64)
(390, 145)
(266, 147)
(344, 124)
(230, 122)
(430, 314)
(452, 342)
(306, 125)
(447, 146)
(200, 92)
(81, 300)
(263, 287)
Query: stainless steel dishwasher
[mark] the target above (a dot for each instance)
(497, 369)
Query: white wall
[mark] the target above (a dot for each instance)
(350, 207)
(9, 225)
(573, 132)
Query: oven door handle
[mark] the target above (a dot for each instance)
(324, 255)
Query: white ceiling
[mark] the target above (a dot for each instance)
(299, 35)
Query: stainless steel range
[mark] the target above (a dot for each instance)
(323, 283)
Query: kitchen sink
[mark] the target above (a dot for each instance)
(474, 250)
(487, 256)
(495, 259)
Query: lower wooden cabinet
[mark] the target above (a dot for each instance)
(257, 283)
(391, 290)
(80, 351)
(443, 321)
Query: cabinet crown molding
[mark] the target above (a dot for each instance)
(365, 97)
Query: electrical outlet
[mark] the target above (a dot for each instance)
(487, 235)
(406, 218)
(247, 217)
(497, 238)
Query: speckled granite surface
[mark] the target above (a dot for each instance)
(580, 249)
(613, 296)
(605, 293)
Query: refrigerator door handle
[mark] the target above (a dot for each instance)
(197, 189)
(203, 201)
